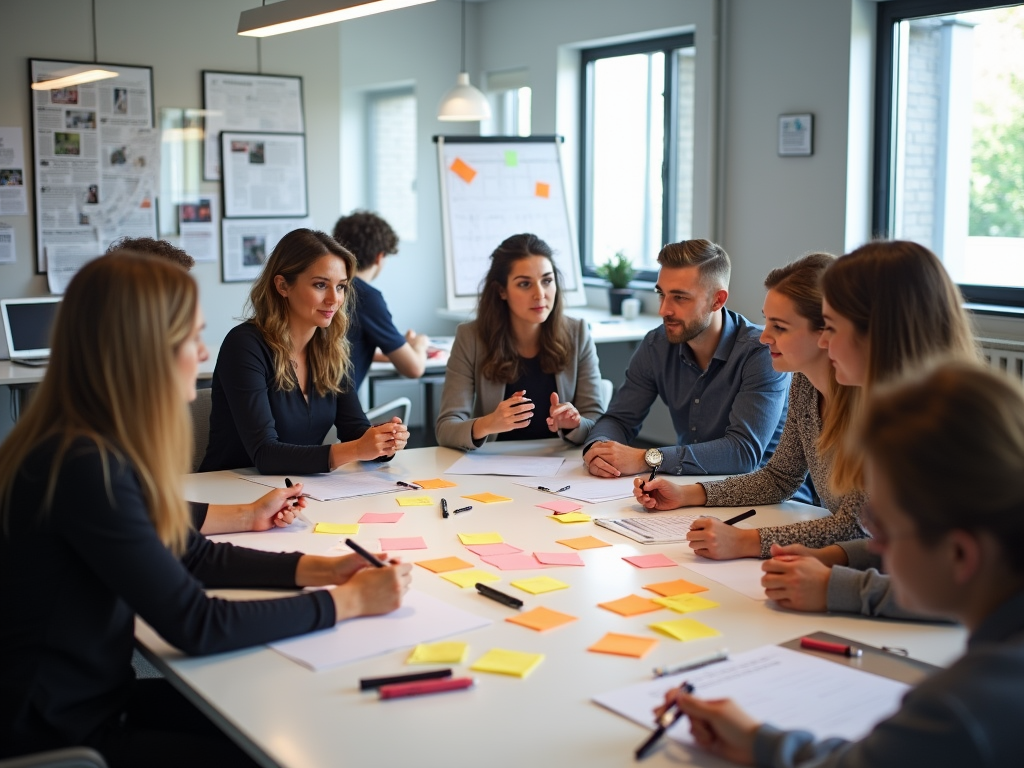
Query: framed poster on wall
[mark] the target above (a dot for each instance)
(264, 174)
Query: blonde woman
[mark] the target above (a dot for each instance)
(281, 379)
(94, 530)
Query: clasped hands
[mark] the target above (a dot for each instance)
(517, 411)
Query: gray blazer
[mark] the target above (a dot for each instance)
(468, 395)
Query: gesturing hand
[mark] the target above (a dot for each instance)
(562, 415)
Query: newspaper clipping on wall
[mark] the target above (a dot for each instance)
(13, 200)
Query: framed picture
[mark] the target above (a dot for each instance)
(246, 244)
(796, 135)
(264, 174)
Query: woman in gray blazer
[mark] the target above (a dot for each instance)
(521, 370)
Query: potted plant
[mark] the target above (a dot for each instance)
(618, 271)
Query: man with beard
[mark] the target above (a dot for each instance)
(727, 403)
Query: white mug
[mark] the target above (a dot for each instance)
(630, 308)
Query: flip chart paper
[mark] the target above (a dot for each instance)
(466, 579)
(403, 542)
(420, 619)
(541, 619)
(632, 605)
(480, 538)
(502, 662)
(444, 564)
(584, 542)
(450, 652)
(381, 517)
(677, 587)
(624, 645)
(686, 603)
(650, 561)
(539, 584)
(685, 629)
(338, 529)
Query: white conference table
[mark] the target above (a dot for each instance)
(286, 715)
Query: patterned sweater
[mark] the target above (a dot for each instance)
(783, 475)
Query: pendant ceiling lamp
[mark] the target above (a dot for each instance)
(463, 102)
(292, 15)
(77, 75)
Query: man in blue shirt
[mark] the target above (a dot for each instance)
(728, 405)
(370, 239)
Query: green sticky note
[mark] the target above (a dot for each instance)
(511, 158)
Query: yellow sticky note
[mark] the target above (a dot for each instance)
(539, 584)
(571, 517)
(541, 619)
(434, 484)
(686, 603)
(543, 189)
(511, 158)
(467, 579)
(339, 529)
(632, 605)
(685, 629)
(624, 645)
(677, 587)
(502, 662)
(414, 501)
(463, 170)
(438, 653)
(471, 539)
(584, 542)
(487, 498)
(444, 564)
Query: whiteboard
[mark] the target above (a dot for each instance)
(493, 187)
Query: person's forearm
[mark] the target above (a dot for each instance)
(344, 453)
(227, 518)
(481, 428)
(315, 571)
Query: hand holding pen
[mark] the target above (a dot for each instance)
(719, 726)
(298, 500)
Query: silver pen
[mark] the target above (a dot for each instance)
(701, 661)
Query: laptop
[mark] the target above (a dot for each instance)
(27, 327)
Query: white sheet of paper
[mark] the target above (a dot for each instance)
(336, 485)
(421, 619)
(789, 689)
(592, 490)
(494, 464)
(743, 576)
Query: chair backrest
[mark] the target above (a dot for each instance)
(607, 390)
(72, 757)
(200, 407)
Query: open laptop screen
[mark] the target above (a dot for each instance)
(27, 325)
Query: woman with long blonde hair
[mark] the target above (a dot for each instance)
(95, 530)
(281, 380)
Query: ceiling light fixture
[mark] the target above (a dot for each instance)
(463, 103)
(292, 15)
(79, 74)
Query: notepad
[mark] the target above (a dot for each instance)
(632, 605)
(502, 662)
(624, 645)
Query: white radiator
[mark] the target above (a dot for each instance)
(1004, 355)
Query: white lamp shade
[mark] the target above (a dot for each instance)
(463, 102)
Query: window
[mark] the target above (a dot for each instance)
(637, 161)
(510, 99)
(391, 175)
(951, 139)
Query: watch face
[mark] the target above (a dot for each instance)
(653, 457)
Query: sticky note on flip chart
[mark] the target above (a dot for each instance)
(463, 170)
(543, 189)
(338, 529)
(511, 158)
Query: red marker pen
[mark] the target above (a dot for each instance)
(424, 686)
(826, 647)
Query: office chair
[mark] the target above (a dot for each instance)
(200, 408)
(607, 389)
(72, 757)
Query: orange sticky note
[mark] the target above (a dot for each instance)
(677, 587)
(624, 645)
(543, 189)
(463, 170)
(434, 483)
(632, 605)
(444, 564)
(584, 542)
(487, 498)
(541, 619)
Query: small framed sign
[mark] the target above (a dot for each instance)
(796, 134)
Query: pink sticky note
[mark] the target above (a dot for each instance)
(380, 517)
(650, 561)
(559, 558)
(488, 550)
(407, 542)
(517, 562)
(560, 506)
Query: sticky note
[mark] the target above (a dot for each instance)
(414, 501)
(518, 561)
(511, 158)
(502, 662)
(686, 603)
(406, 542)
(444, 564)
(677, 587)
(434, 484)
(685, 629)
(541, 619)
(487, 498)
(381, 517)
(571, 517)
(650, 561)
(560, 505)
(633, 605)
(584, 542)
(480, 538)
(542, 189)
(339, 529)
(463, 170)
(486, 550)
(449, 652)
(624, 645)
(539, 585)
(558, 558)
(466, 579)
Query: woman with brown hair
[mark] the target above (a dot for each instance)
(520, 354)
(281, 379)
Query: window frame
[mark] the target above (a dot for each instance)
(666, 45)
(984, 298)
(370, 191)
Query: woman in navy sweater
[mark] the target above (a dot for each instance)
(94, 530)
